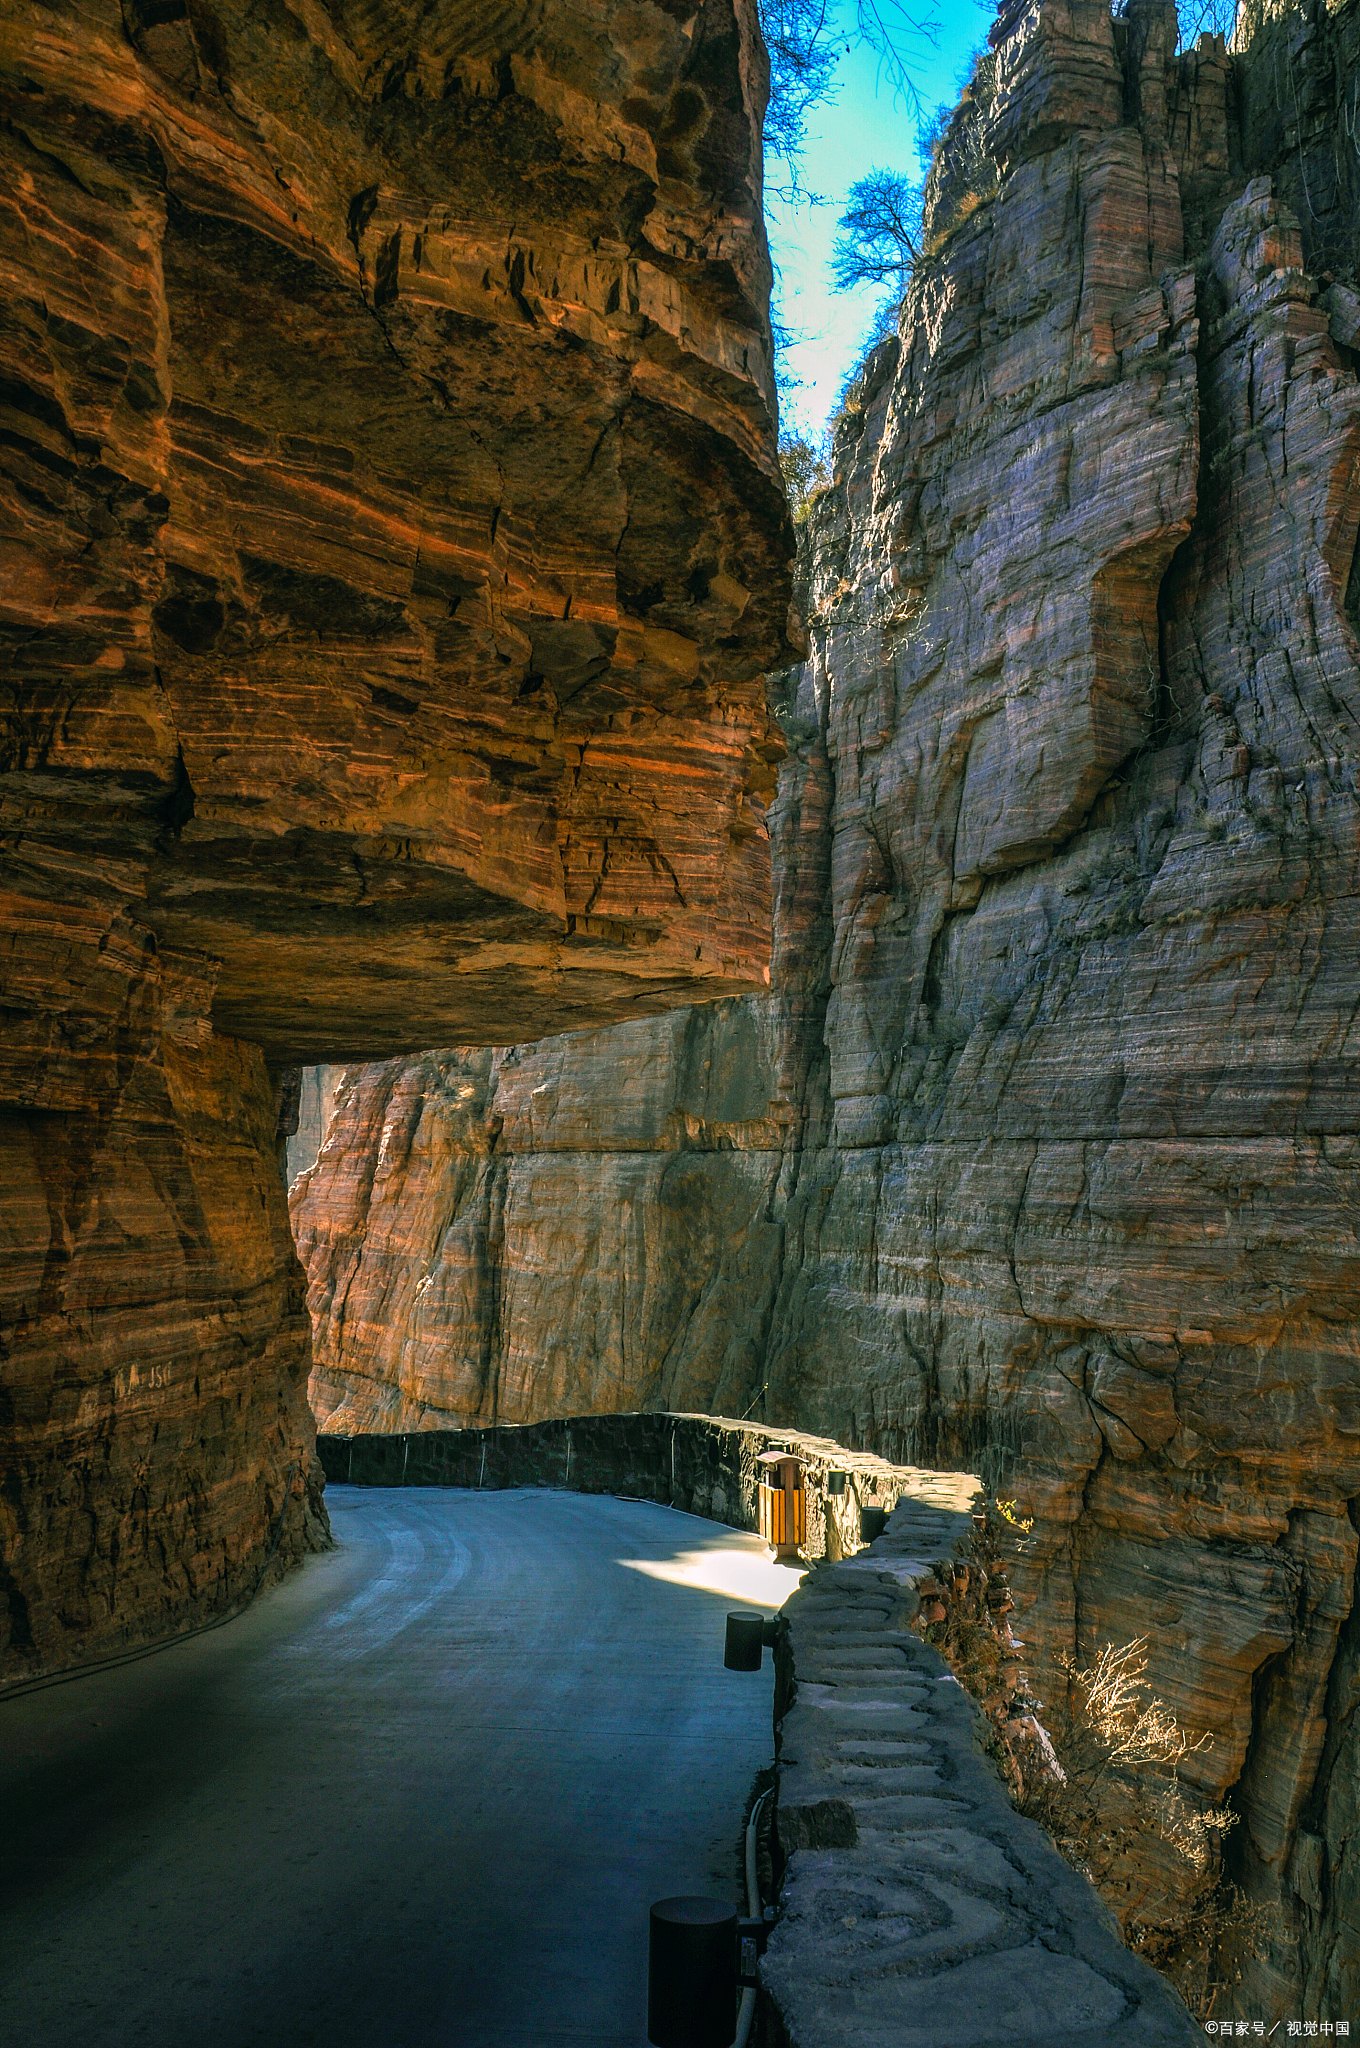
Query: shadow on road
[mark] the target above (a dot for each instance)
(423, 1792)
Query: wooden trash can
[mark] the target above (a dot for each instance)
(782, 1503)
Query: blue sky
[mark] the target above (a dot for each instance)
(863, 128)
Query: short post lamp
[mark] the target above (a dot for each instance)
(691, 1973)
(699, 1951)
(748, 1635)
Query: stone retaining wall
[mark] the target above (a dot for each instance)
(702, 1464)
(918, 1907)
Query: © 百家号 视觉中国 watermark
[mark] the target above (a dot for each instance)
(1294, 2030)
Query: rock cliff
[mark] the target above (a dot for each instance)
(316, 1088)
(1043, 1150)
(393, 543)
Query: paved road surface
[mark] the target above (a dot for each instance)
(424, 1792)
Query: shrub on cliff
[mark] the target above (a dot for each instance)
(1119, 1815)
(806, 472)
(1098, 1771)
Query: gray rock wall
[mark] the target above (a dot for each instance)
(317, 1100)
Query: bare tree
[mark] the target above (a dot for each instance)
(806, 468)
(1195, 17)
(804, 46)
(1217, 17)
(880, 233)
(889, 29)
(806, 40)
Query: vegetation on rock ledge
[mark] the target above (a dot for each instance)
(1099, 1771)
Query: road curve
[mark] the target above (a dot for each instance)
(423, 1792)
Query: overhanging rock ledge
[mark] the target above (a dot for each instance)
(393, 546)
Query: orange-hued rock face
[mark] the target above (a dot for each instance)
(1042, 1149)
(392, 545)
(394, 538)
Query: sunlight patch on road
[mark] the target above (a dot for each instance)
(737, 1574)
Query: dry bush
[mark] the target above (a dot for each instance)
(1099, 1771)
(1120, 1816)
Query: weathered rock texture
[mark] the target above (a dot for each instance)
(392, 542)
(316, 1101)
(591, 1222)
(1045, 1148)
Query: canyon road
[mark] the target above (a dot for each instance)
(422, 1792)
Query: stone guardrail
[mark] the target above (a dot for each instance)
(703, 1464)
(919, 1909)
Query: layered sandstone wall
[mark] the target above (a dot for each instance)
(591, 1222)
(393, 542)
(1044, 1149)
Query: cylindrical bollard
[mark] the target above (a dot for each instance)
(745, 1634)
(872, 1522)
(692, 1974)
